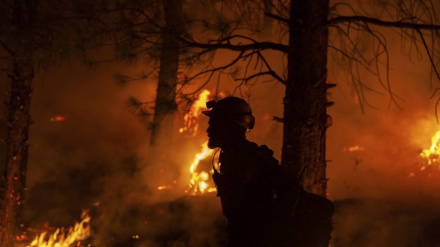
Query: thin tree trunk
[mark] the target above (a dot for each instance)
(305, 113)
(165, 106)
(16, 152)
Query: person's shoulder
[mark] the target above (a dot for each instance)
(265, 150)
(251, 146)
(261, 153)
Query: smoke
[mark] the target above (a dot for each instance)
(99, 159)
(390, 133)
(89, 151)
(372, 153)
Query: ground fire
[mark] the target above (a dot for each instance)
(200, 169)
(61, 237)
(200, 177)
(428, 164)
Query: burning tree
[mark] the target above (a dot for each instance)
(305, 34)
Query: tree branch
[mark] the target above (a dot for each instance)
(431, 59)
(271, 73)
(374, 21)
(277, 17)
(239, 47)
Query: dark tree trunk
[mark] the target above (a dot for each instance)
(305, 112)
(165, 106)
(21, 74)
(16, 152)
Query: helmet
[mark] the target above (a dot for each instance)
(232, 108)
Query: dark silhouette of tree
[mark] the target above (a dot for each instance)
(148, 32)
(165, 102)
(33, 35)
(308, 32)
(21, 72)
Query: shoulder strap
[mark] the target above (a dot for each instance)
(213, 161)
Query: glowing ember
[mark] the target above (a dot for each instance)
(65, 238)
(354, 149)
(199, 182)
(162, 187)
(57, 118)
(191, 123)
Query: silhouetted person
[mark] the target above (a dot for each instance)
(257, 195)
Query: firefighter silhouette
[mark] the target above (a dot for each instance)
(257, 195)
(263, 203)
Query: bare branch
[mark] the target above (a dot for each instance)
(277, 17)
(429, 54)
(396, 24)
(238, 47)
(215, 69)
(271, 73)
(7, 49)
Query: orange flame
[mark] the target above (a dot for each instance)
(433, 153)
(191, 123)
(429, 164)
(199, 180)
(63, 238)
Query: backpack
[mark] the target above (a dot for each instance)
(312, 220)
(311, 224)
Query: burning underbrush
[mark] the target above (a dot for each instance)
(427, 165)
(47, 236)
(130, 205)
(184, 221)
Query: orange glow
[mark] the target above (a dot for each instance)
(433, 153)
(57, 118)
(353, 149)
(62, 237)
(191, 123)
(162, 187)
(199, 180)
(429, 163)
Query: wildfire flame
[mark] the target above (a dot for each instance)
(199, 180)
(62, 237)
(191, 123)
(429, 162)
(433, 153)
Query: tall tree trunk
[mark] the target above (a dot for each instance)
(165, 106)
(305, 112)
(21, 75)
(16, 152)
